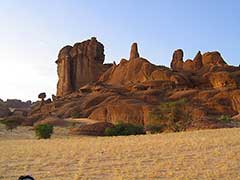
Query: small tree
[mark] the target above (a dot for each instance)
(12, 122)
(44, 131)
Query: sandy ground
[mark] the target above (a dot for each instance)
(208, 154)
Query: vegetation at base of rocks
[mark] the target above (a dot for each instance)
(224, 118)
(76, 115)
(44, 131)
(12, 122)
(153, 129)
(124, 129)
(172, 116)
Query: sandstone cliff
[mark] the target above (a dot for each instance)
(79, 65)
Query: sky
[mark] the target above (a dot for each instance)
(33, 31)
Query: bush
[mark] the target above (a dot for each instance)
(124, 129)
(12, 122)
(154, 128)
(44, 131)
(172, 116)
(76, 115)
(224, 118)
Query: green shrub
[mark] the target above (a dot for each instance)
(12, 122)
(124, 129)
(172, 116)
(224, 118)
(44, 131)
(76, 115)
(154, 128)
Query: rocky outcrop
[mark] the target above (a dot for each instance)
(79, 65)
(4, 111)
(140, 70)
(208, 60)
(177, 60)
(197, 62)
(193, 65)
(131, 90)
(134, 51)
(16, 103)
(213, 59)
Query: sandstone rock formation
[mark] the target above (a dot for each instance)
(42, 96)
(131, 90)
(177, 60)
(213, 58)
(140, 70)
(207, 60)
(193, 65)
(134, 52)
(79, 65)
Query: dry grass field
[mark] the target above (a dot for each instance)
(206, 154)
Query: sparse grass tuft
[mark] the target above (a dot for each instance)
(224, 118)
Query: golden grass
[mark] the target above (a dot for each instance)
(207, 154)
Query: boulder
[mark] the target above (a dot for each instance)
(42, 96)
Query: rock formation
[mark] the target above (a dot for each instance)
(213, 58)
(193, 65)
(4, 111)
(79, 65)
(42, 96)
(207, 60)
(177, 60)
(131, 90)
(134, 52)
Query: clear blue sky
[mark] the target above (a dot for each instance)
(33, 31)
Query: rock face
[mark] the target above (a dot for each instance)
(220, 80)
(131, 90)
(79, 65)
(134, 51)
